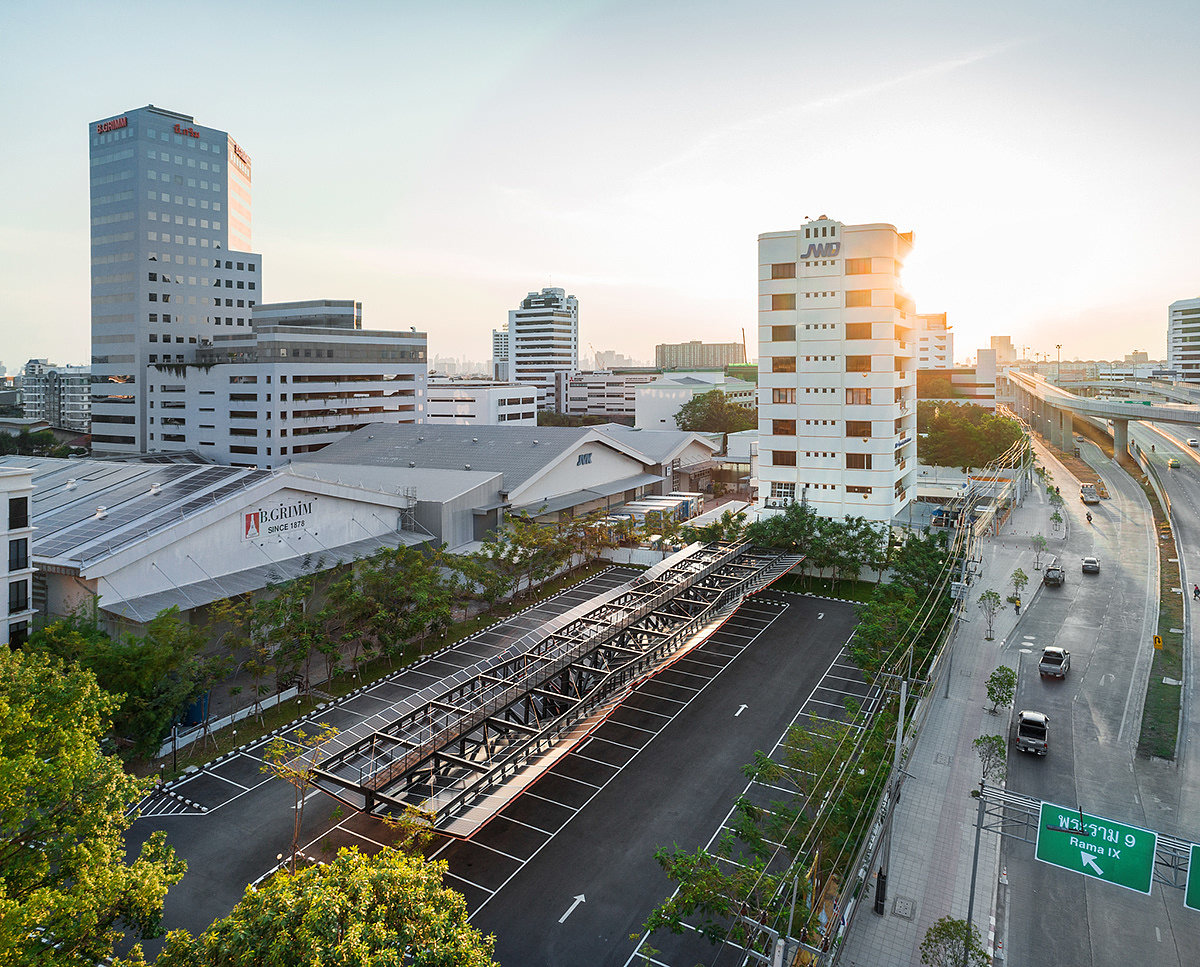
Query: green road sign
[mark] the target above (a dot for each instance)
(1191, 892)
(1097, 847)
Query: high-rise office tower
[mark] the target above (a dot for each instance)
(1183, 335)
(171, 267)
(543, 344)
(837, 392)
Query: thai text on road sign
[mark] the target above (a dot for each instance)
(1097, 847)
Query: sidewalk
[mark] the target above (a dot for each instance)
(934, 832)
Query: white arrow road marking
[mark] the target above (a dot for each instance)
(1088, 861)
(741, 709)
(821, 615)
(571, 909)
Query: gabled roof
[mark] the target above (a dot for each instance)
(518, 452)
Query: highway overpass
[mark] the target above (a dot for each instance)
(1048, 408)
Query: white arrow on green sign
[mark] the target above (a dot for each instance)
(1096, 847)
(1191, 892)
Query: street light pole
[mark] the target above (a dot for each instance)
(1058, 371)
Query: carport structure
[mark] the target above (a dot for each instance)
(446, 749)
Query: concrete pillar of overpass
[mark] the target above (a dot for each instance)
(1060, 421)
(1120, 437)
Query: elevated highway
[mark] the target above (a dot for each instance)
(1048, 408)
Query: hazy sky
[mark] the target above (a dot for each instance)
(439, 160)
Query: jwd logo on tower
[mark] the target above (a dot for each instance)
(822, 250)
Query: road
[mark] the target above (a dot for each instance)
(1106, 622)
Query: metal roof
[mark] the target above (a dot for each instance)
(519, 452)
(138, 499)
(516, 451)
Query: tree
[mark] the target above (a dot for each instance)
(1019, 579)
(990, 604)
(157, 675)
(945, 942)
(64, 873)
(1039, 548)
(360, 911)
(1001, 687)
(293, 760)
(992, 756)
(1056, 519)
(712, 412)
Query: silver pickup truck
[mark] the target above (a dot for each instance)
(1033, 732)
(1055, 663)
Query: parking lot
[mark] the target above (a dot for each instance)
(664, 767)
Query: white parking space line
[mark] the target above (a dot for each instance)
(674, 701)
(599, 762)
(553, 802)
(597, 737)
(536, 829)
(673, 668)
(626, 725)
(648, 711)
(463, 879)
(691, 659)
(217, 775)
(500, 852)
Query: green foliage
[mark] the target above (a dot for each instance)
(903, 614)
(990, 604)
(1039, 548)
(156, 676)
(992, 756)
(554, 418)
(386, 910)
(713, 412)
(963, 434)
(1001, 687)
(931, 386)
(1056, 519)
(1019, 579)
(63, 863)
(39, 444)
(728, 527)
(948, 940)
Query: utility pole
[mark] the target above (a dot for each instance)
(974, 872)
(893, 796)
(1058, 372)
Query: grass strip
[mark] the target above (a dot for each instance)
(1160, 716)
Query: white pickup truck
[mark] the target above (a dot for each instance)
(1087, 493)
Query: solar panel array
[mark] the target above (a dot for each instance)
(65, 513)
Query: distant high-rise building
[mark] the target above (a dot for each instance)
(60, 395)
(171, 270)
(611, 359)
(501, 370)
(1005, 353)
(1183, 326)
(543, 344)
(837, 396)
(935, 341)
(698, 355)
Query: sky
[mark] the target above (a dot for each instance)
(438, 161)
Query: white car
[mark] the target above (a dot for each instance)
(1193, 442)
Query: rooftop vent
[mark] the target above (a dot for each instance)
(535, 443)
(466, 466)
(412, 463)
(155, 488)
(72, 484)
(474, 439)
(101, 513)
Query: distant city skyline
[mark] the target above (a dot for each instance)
(1041, 158)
